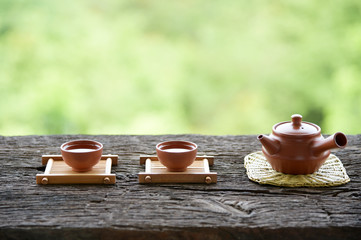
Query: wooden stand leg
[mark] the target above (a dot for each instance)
(148, 169)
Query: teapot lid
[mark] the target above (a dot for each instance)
(296, 127)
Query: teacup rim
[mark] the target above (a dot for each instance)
(177, 141)
(98, 144)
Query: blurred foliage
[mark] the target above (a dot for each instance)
(155, 67)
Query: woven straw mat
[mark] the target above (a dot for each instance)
(331, 173)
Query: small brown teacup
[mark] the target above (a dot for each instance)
(176, 155)
(81, 155)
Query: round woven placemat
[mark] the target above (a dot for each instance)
(331, 173)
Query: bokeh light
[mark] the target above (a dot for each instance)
(170, 67)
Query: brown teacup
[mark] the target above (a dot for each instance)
(176, 155)
(81, 155)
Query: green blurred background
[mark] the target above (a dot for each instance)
(158, 67)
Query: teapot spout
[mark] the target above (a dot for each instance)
(272, 146)
(337, 140)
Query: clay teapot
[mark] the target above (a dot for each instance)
(297, 147)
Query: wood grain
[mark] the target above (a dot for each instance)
(234, 208)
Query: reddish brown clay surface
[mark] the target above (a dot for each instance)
(81, 155)
(176, 155)
(297, 147)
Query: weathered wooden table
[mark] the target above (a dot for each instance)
(234, 208)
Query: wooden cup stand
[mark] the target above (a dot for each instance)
(58, 172)
(198, 172)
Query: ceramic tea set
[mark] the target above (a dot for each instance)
(293, 147)
(82, 155)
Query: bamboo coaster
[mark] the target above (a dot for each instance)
(58, 172)
(198, 172)
(331, 173)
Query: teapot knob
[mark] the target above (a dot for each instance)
(296, 120)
